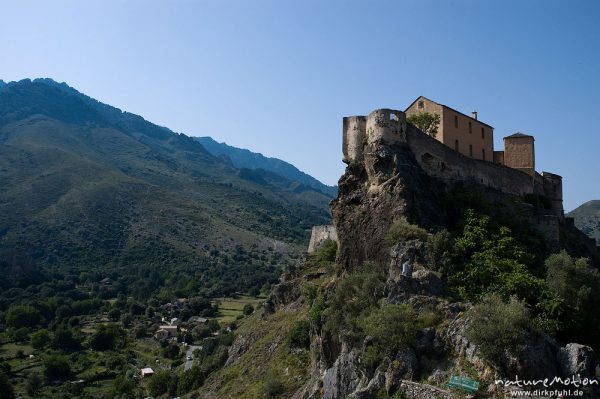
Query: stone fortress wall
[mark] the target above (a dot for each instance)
(442, 162)
(320, 234)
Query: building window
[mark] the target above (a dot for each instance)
(471, 150)
(483, 154)
(421, 105)
(456, 121)
(394, 117)
(482, 133)
(470, 128)
(456, 145)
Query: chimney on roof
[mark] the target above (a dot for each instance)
(474, 115)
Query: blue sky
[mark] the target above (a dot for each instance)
(278, 76)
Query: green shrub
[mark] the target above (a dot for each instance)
(18, 316)
(33, 384)
(273, 386)
(327, 251)
(161, 383)
(427, 122)
(401, 230)
(576, 284)
(354, 296)
(299, 334)
(248, 309)
(56, 367)
(309, 292)
(440, 252)
(6, 389)
(107, 337)
(497, 326)
(393, 327)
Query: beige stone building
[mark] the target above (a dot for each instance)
(465, 134)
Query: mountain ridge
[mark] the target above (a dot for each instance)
(244, 158)
(587, 218)
(87, 184)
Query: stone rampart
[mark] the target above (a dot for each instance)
(320, 234)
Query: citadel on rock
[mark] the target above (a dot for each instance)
(462, 150)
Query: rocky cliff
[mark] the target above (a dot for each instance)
(385, 322)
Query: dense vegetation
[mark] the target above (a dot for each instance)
(485, 256)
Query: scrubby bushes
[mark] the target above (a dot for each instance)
(498, 327)
(56, 367)
(392, 328)
(248, 309)
(107, 337)
(273, 386)
(354, 297)
(401, 230)
(577, 286)
(299, 335)
(440, 252)
(327, 252)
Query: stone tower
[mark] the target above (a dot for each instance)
(519, 153)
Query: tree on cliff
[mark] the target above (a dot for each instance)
(425, 121)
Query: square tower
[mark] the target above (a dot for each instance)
(519, 152)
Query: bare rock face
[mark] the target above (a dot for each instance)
(578, 360)
(405, 366)
(282, 294)
(342, 379)
(426, 282)
(538, 359)
(369, 391)
(389, 184)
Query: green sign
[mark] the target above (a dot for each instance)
(464, 383)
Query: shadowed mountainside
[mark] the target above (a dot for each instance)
(86, 185)
(242, 158)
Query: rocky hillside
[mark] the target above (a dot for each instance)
(431, 280)
(587, 219)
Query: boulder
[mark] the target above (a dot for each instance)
(281, 295)
(404, 366)
(576, 359)
(426, 282)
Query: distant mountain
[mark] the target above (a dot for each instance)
(88, 187)
(587, 218)
(242, 158)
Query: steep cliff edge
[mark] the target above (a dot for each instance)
(446, 266)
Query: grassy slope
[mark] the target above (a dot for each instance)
(269, 357)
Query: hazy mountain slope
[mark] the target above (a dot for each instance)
(85, 185)
(243, 158)
(587, 218)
